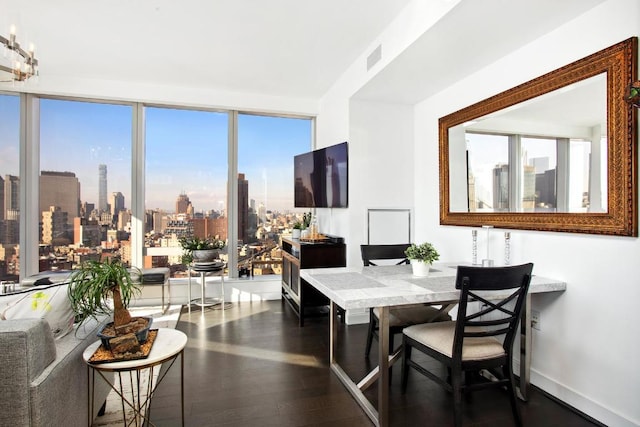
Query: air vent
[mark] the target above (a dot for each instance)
(374, 57)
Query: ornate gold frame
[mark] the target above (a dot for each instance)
(619, 62)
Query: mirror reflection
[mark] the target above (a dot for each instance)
(556, 153)
(545, 155)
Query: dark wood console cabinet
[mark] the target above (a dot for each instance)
(303, 298)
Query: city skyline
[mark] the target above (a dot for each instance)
(78, 136)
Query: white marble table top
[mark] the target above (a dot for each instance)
(168, 343)
(365, 287)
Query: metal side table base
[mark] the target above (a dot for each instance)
(203, 301)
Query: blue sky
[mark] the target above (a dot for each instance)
(186, 151)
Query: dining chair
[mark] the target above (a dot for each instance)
(399, 317)
(477, 340)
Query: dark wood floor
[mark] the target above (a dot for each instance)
(251, 365)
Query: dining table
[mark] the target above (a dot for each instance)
(393, 286)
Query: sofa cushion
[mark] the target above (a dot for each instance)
(50, 303)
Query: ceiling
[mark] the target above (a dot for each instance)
(289, 48)
(474, 34)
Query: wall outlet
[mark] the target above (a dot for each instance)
(535, 319)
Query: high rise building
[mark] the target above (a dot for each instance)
(243, 208)
(54, 225)
(87, 209)
(183, 205)
(501, 188)
(11, 193)
(116, 202)
(86, 232)
(102, 188)
(60, 189)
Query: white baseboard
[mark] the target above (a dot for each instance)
(577, 400)
(235, 291)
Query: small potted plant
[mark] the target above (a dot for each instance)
(633, 94)
(297, 229)
(421, 257)
(94, 286)
(200, 250)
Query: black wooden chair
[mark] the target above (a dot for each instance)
(482, 340)
(399, 317)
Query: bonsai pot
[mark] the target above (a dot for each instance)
(141, 335)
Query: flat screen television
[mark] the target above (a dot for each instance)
(321, 178)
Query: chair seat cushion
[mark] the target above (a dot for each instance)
(413, 314)
(439, 337)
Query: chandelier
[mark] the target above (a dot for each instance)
(20, 64)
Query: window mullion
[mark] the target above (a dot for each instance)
(515, 173)
(29, 183)
(232, 196)
(137, 185)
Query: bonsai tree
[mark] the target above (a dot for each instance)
(424, 252)
(95, 283)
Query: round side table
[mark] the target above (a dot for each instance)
(168, 345)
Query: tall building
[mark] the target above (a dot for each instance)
(86, 232)
(243, 208)
(501, 188)
(86, 209)
(102, 188)
(54, 225)
(183, 205)
(116, 202)
(60, 189)
(11, 194)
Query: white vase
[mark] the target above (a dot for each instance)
(420, 268)
(295, 233)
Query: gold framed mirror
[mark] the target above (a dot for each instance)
(557, 153)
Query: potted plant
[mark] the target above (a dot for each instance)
(633, 94)
(297, 229)
(421, 257)
(197, 249)
(94, 285)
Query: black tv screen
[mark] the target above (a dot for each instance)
(321, 178)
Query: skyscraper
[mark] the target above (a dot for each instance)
(11, 194)
(116, 202)
(183, 204)
(102, 188)
(60, 189)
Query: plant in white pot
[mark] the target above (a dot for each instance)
(201, 250)
(297, 229)
(421, 257)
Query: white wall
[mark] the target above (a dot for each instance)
(583, 350)
(586, 351)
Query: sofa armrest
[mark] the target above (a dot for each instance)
(27, 347)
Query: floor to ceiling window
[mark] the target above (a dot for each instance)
(186, 170)
(9, 185)
(266, 146)
(94, 157)
(85, 182)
